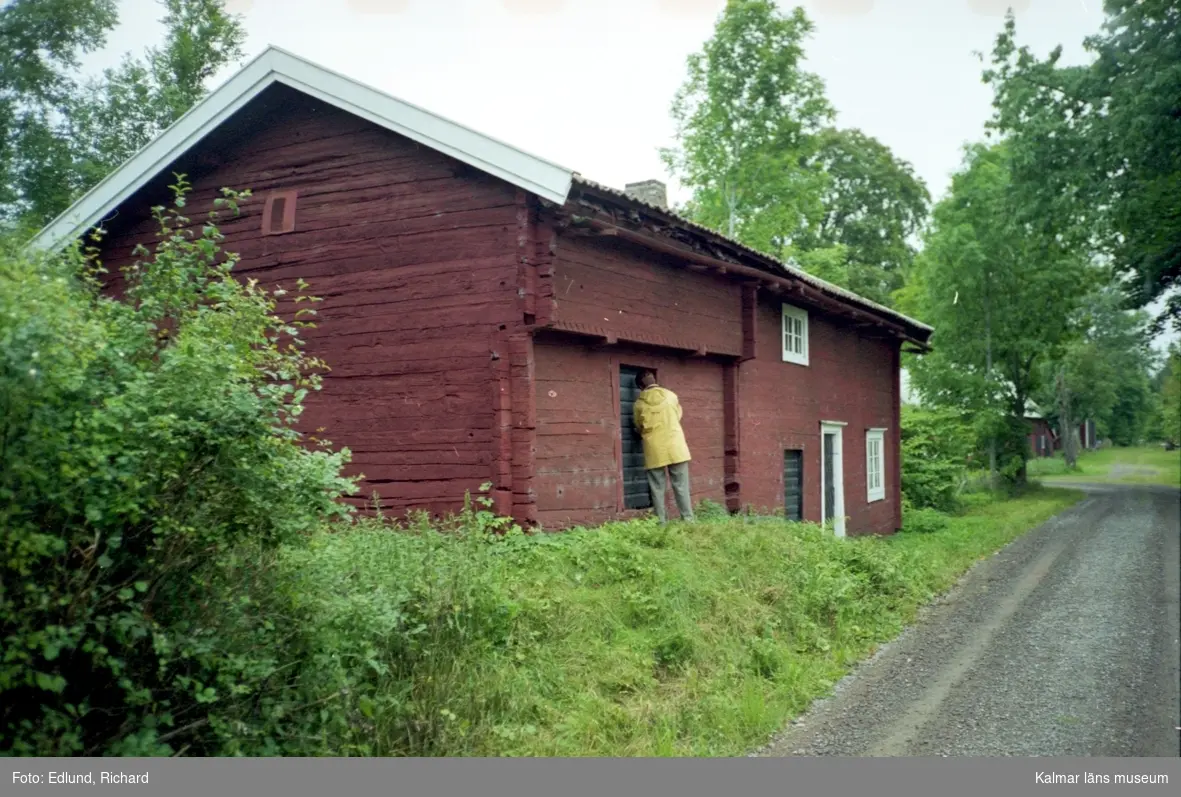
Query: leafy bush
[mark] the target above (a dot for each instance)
(936, 448)
(1011, 436)
(923, 520)
(400, 621)
(144, 440)
(628, 639)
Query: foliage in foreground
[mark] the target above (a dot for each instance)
(629, 639)
(143, 443)
(936, 449)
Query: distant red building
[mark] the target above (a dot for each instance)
(1044, 439)
(484, 312)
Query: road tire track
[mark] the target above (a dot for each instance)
(1066, 642)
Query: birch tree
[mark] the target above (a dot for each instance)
(747, 118)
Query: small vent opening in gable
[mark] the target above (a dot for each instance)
(277, 208)
(278, 214)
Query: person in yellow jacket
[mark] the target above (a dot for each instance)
(658, 420)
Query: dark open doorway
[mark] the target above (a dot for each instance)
(635, 477)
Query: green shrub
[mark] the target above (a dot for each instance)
(144, 440)
(401, 621)
(923, 520)
(467, 637)
(673, 652)
(1011, 437)
(936, 449)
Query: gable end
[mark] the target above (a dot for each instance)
(274, 65)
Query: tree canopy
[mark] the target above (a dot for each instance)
(61, 133)
(1170, 396)
(1097, 148)
(757, 149)
(873, 205)
(999, 293)
(1103, 371)
(747, 118)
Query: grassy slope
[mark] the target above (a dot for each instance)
(1144, 465)
(632, 640)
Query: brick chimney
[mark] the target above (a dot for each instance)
(651, 191)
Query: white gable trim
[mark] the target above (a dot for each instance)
(275, 65)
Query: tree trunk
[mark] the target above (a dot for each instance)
(992, 479)
(1018, 411)
(1066, 424)
(732, 206)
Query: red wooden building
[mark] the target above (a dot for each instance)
(1044, 439)
(484, 311)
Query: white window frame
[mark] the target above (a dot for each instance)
(837, 428)
(796, 314)
(875, 492)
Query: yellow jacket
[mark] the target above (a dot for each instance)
(658, 419)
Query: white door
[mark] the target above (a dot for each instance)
(832, 475)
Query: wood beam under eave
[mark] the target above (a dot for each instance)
(776, 284)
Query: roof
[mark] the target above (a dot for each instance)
(771, 263)
(277, 66)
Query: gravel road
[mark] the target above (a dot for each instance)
(1063, 644)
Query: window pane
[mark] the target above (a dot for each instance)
(875, 477)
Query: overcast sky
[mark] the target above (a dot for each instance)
(588, 83)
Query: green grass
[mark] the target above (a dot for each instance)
(1141, 465)
(627, 640)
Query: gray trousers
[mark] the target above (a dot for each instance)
(658, 482)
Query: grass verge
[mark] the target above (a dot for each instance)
(626, 640)
(1141, 465)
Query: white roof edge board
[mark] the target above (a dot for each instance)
(275, 65)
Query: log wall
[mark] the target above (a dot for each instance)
(418, 261)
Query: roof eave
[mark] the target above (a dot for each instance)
(919, 333)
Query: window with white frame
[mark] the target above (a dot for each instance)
(875, 464)
(795, 335)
